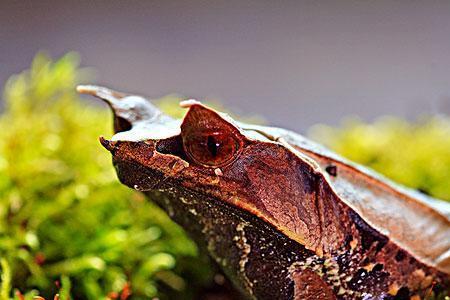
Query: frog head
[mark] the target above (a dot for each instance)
(209, 153)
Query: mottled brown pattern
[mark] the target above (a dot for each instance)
(309, 285)
(276, 218)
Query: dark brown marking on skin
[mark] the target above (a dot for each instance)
(372, 189)
(365, 281)
(402, 294)
(378, 268)
(309, 285)
(400, 255)
(369, 236)
(332, 170)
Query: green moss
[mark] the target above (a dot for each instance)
(63, 214)
(414, 154)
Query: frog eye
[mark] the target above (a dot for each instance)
(209, 139)
(211, 148)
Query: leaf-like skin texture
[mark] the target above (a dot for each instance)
(283, 217)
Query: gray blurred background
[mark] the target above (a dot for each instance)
(295, 62)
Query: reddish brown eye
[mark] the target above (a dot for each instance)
(214, 148)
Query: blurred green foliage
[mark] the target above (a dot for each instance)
(414, 154)
(63, 214)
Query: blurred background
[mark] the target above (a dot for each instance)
(297, 63)
(369, 79)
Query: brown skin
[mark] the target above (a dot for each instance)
(269, 216)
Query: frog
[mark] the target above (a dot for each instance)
(283, 216)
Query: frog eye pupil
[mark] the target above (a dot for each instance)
(213, 145)
(211, 149)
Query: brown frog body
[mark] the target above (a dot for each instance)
(282, 216)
